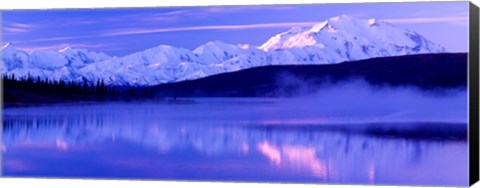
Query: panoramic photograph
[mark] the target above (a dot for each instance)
(372, 93)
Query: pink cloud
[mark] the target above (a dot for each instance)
(50, 39)
(18, 28)
(14, 30)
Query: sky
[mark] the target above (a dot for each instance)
(122, 31)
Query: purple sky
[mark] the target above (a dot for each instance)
(123, 31)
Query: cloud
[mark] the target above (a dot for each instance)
(175, 15)
(232, 9)
(148, 17)
(14, 28)
(208, 27)
(53, 39)
(458, 19)
(136, 18)
(22, 25)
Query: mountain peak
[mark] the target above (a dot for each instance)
(8, 45)
(303, 35)
(68, 48)
(164, 46)
(345, 21)
(215, 45)
(243, 46)
(344, 18)
(318, 27)
(343, 35)
(296, 29)
(341, 17)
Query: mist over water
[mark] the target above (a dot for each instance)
(356, 101)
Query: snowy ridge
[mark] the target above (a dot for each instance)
(335, 40)
(352, 38)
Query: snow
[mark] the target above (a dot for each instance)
(338, 39)
(48, 59)
(345, 31)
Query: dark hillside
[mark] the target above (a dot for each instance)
(425, 71)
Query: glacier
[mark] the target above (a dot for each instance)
(338, 39)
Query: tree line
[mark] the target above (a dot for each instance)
(15, 87)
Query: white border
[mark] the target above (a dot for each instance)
(76, 183)
(63, 183)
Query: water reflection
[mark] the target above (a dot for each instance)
(298, 157)
(122, 142)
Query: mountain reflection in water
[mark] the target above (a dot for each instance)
(180, 142)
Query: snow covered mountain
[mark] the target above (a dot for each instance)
(338, 39)
(64, 64)
(349, 38)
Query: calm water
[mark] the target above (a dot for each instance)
(261, 140)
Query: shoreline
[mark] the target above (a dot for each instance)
(7, 105)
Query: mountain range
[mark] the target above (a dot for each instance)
(338, 39)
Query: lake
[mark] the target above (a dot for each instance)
(243, 140)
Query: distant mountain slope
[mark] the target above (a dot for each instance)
(338, 39)
(427, 71)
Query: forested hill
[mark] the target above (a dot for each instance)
(425, 71)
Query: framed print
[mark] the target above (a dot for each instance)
(351, 94)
